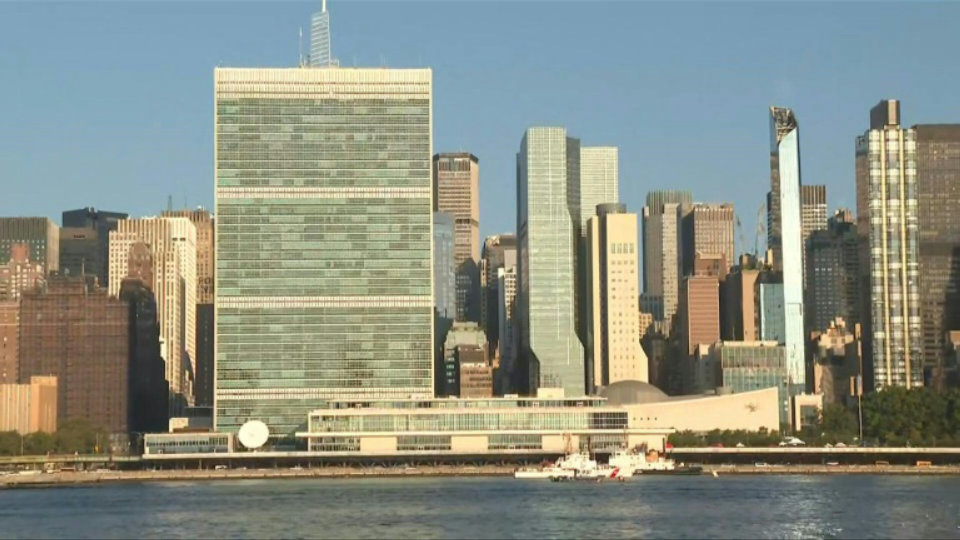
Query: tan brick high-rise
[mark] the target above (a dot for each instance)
(456, 191)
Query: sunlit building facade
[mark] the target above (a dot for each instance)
(887, 177)
(787, 236)
(324, 285)
(546, 186)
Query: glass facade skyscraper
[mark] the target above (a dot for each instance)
(787, 235)
(887, 179)
(324, 240)
(547, 177)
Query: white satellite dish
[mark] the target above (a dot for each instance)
(253, 434)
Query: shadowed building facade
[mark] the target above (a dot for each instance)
(938, 215)
(499, 252)
(85, 242)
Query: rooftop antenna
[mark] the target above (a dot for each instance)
(169, 203)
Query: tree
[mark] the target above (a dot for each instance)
(9, 443)
(79, 435)
(38, 443)
(838, 423)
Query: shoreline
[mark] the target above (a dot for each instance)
(62, 479)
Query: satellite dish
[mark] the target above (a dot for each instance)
(253, 434)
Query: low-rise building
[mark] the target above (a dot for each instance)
(474, 427)
(30, 407)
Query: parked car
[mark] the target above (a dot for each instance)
(792, 441)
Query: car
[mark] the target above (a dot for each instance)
(761, 464)
(792, 441)
(828, 445)
(740, 445)
(840, 445)
(220, 468)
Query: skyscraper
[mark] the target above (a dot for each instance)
(204, 223)
(41, 235)
(598, 183)
(662, 255)
(444, 288)
(74, 243)
(162, 252)
(813, 210)
(444, 269)
(786, 235)
(938, 198)
(499, 251)
(813, 217)
(613, 322)
(323, 279)
(887, 205)
(508, 343)
(456, 191)
(833, 274)
(546, 176)
(662, 258)
(320, 46)
(708, 230)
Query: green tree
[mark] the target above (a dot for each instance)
(79, 435)
(38, 443)
(9, 443)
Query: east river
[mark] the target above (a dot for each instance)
(653, 507)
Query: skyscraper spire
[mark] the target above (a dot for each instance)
(320, 55)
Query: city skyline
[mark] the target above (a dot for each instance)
(830, 122)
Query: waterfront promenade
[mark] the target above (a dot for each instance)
(67, 478)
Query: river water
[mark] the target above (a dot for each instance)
(651, 507)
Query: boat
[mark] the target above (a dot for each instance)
(575, 466)
(638, 462)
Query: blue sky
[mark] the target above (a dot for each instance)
(109, 104)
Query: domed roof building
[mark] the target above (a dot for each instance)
(632, 393)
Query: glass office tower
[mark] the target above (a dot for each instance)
(788, 235)
(324, 210)
(547, 177)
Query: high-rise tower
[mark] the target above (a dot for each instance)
(323, 240)
(456, 191)
(887, 208)
(786, 235)
(547, 177)
(320, 52)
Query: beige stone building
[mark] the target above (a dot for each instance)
(204, 223)
(613, 300)
(172, 241)
(456, 191)
(30, 407)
